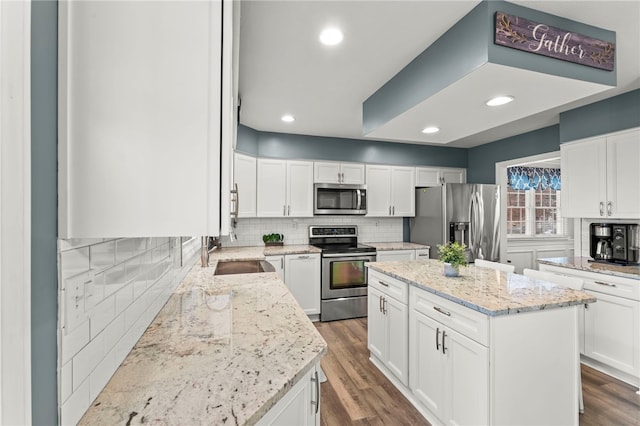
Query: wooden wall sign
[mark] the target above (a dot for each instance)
(533, 37)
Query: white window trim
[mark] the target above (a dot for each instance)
(15, 212)
(501, 179)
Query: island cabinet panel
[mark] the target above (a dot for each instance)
(449, 372)
(300, 406)
(389, 324)
(600, 176)
(482, 348)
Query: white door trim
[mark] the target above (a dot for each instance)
(15, 212)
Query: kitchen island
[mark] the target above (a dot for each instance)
(486, 347)
(224, 349)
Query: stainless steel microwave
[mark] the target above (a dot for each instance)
(338, 199)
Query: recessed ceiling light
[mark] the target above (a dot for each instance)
(431, 129)
(331, 36)
(288, 118)
(499, 100)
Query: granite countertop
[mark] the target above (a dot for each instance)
(583, 264)
(397, 246)
(224, 349)
(485, 290)
(259, 252)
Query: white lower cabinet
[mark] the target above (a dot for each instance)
(301, 274)
(300, 406)
(388, 324)
(611, 330)
(449, 371)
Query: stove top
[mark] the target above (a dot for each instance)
(337, 239)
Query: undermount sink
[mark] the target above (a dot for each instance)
(227, 267)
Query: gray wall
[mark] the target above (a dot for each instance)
(44, 268)
(610, 115)
(481, 163)
(282, 145)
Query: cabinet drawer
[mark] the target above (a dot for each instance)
(465, 321)
(389, 286)
(602, 283)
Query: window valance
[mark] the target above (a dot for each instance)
(533, 177)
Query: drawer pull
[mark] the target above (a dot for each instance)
(607, 284)
(383, 283)
(303, 257)
(437, 308)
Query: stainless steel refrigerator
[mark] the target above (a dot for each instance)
(468, 213)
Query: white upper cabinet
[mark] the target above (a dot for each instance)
(245, 183)
(434, 176)
(600, 177)
(284, 188)
(390, 190)
(140, 118)
(334, 172)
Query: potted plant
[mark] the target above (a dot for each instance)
(273, 239)
(453, 256)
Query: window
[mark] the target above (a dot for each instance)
(533, 202)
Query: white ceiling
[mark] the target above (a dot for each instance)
(284, 69)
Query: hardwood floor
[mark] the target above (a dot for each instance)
(356, 393)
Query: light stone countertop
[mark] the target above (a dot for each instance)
(223, 350)
(259, 252)
(485, 290)
(584, 264)
(396, 246)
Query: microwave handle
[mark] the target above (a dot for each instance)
(359, 194)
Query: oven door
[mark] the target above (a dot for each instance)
(344, 275)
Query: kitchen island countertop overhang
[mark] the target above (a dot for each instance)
(223, 349)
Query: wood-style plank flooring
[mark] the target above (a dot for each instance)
(356, 393)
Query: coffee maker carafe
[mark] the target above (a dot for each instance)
(601, 241)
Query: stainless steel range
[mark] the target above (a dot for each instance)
(344, 276)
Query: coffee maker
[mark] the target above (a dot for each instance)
(601, 241)
(626, 243)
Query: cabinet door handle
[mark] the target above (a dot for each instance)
(607, 284)
(282, 263)
(289, 210)
(384, 305)
(284, 210)
(389, 210)
(601, 208)
(439, 309)
(380, 303)
(609, 208)
(437, 338)
(444, 349)
(383, 283)
(316, 403)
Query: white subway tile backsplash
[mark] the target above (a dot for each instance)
(74, 341)
(86, 360)
(75, 406)
(114, 279)
(102, 255)
(132, 280)
(124, 297)
(74, 261)
(66, 381)
(101, 375)
(102, 315)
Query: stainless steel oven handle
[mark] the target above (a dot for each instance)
(332, 255)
